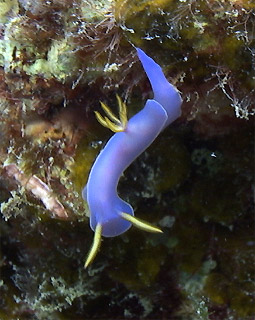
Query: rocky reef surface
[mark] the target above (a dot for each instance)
(58, 60)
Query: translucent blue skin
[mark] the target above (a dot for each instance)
(124, 147)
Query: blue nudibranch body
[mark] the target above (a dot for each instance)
(109, 215)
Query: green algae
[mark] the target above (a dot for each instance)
(173, 167)
(84, 158)
(8, 8)
(237, 292)
(61, 62)
(31, 44)
(92, 11)
(215, 203)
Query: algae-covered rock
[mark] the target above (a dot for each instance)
(8, 8)
(238, 291)
(58, 60)
(173, 166)
(61, 62)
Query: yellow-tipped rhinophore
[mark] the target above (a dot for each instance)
(140, 223)
(111, 121)
(95, 246)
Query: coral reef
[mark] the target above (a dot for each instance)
(58, 60)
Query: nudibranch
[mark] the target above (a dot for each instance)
(110, 216)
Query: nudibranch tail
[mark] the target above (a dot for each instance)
(164, 92)
(95, 246)
(112, 122)
(140, 223)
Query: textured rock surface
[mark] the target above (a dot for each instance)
(58, 60)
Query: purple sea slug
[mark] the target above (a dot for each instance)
(110, 216)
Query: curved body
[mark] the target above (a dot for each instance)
(124, 147)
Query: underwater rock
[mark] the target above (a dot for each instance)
(58, 60)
